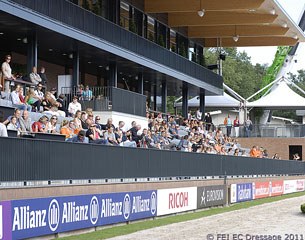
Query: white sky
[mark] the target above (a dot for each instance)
(266, 54)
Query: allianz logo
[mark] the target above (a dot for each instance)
(27, 218)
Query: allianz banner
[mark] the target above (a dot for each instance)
(42, 216)
(210, 196)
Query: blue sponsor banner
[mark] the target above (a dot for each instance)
(122, 207)
(44, 216)
(5, 220)
(244, 192)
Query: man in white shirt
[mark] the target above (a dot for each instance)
(16, 100)
(74, 106)
(3, 131)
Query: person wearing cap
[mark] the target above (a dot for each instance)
(79, 138)
(74, 106)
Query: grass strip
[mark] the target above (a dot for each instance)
(147, 224)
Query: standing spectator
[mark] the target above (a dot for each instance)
(34, 76)
(43, 75)
(79, 92)
(7, 75)
(87, 94)
(74, 106)
(16, 100)
(228, 124)
(198, 114)
(248, 127)
(208, 121)
(236, 127)
(25, 122)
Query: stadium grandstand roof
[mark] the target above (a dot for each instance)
(233, 23)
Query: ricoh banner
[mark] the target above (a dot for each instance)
(36, 217)
(261, 190)
(241, 192)
(176, 200)
(210, 196)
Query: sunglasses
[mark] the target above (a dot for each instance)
(54, 118)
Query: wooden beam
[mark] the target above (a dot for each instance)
(165, 6)
(218, 18)
(241, 30)
(251, 42)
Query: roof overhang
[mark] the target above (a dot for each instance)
(255, 22)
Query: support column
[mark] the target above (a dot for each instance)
(164, 96)
(140, 83)
(202, 102)
(155, 97)
(31, 40)
(113, 75)
(185, 93)
(75, 69)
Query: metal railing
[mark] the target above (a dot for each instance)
(107, 99)
(270, 130)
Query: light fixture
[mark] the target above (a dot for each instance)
(107, 68)
(18, 39)
(284, 25)
(1, 33)
(71, 56)
(201, 12)
(50, 49)
(100, 66)
(25, 40)
(136, 77)
(64, 54)
(272, 11)
(235, 37)
(89, 62)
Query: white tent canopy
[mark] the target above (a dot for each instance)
(281, 96)
(225, 101)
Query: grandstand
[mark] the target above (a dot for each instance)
(128, 53)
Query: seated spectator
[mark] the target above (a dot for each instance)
(276, 156)
(110, 136)
(109, 124)
(87, 94)
(296, 157)
(184, 144)
(52, 124)
(255, 152)
(25, 122)
(134, 132)
(94, 135)
(67, 129)
(17, 114)
(79, 138)
(13, 125)
(3, 130)
(83, 120)
(236, 152)
(41, 125)
(16, 100)
(90, 119)
(33, 100)
(53, 93)
(34, 76)
(77, 120)
(127, 141)
(74, 106)
(39, 92)
(61, 107)
(49, 102)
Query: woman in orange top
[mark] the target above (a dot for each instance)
(66, 129)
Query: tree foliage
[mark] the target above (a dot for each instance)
(238, 72)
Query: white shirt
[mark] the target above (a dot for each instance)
(6, 70)
(3, 131)
(15, 98)
(73, 107)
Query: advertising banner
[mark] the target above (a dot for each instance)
(290, 186)
(122, 207)
(261, 190)
(300, 185)
(176, 200)
(210, 196)
(277, 188)
(5, 220)
(244, 192)
(36, 217)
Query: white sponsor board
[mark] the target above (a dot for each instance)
(176, 200)
(233, 193)
(300, 185)
(290, 186)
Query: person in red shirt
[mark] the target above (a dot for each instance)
(41, 125)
